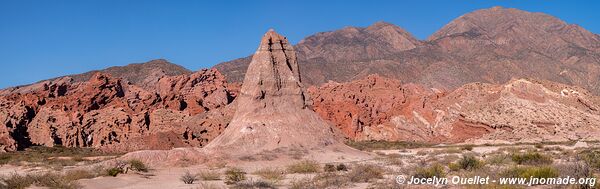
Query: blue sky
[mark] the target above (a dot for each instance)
(45, 39)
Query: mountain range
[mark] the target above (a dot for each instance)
(497, 74)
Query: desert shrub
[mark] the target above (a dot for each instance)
(234, 175)
(306, 166)
(209, 175)
(79, 174)
(538, 146)
(188, 178)
(16, 181)
(271, 174)
(592, 158)
(531, 158)
(531, 172)
(435, 170)
(467, 147)
(329, 168)
(575, 170)
(365, 173)
(498, 159)
(5, 158)
(467, 162)
(322, 180)
(114, 171)
(53, 180)
(138, 165)
(341, 167)
(254, 184)
(385, 145)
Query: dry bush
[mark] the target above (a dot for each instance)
(498, 159)
(254, 184)
(271, 174)
(209, 185)
(16, 181)
(307, 166)
(365, 173)
(531, 158)
(329, 168)
(234, 175)
(188, 178)
(138, 165)
(467, 147)
(323, 180)
(209, 175)
(435, 170)
(385, 145)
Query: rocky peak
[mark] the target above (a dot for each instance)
(272, 79)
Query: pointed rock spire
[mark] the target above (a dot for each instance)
(271, 113)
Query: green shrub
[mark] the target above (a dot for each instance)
(234, 175)
(430, 172)
(365, 173)
(469, 163)
(531, 172)
(304, 167)
(114, 171)
(138, 165)
(531, 158)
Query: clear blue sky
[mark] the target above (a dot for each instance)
(49, 38)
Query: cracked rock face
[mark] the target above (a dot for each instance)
(106, 113)
(522, 110)
(272, 111)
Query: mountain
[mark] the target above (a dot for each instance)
(489, 45)
(142, 74)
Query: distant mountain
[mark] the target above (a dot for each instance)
(489, 45)
(138, 73)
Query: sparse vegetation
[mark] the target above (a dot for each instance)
(138, 165)
(54, 157)
(531, 158)
(341, 167)
(306, 166)
(385, 145)
(114, 171)
(592, 158)
(467, 147)
(435, 170)
(49, 180)
(322, 180)
(329, 168)
(234, 175)
(209, 175)
(467, 162)
(254, 184)
(271, 174)
(531, 172)
(188, 178)
(365, 173)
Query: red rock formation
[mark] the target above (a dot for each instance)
(105, 113)
(377, 108)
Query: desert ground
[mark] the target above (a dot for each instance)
(79, 168)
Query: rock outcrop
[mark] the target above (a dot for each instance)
(272, 111)
(106, 113)
(522, 110)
